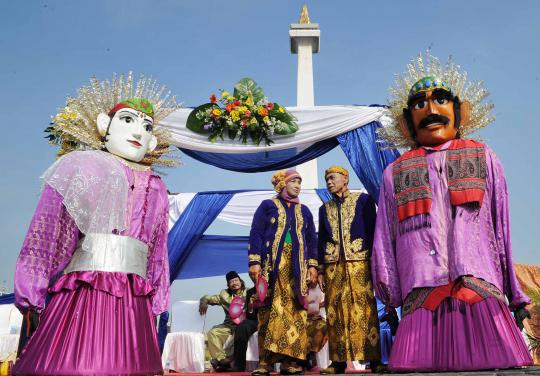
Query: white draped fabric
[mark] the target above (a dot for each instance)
(242, 206)
(10, 327)
(183, 350)
(8, 346)
(315, 124)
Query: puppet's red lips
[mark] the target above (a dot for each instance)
(137, 144)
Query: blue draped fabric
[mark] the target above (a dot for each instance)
(190, 226)
(7, 298)
(385, 333)
(324, 194)
(263, 161)
(367, 156)
(162, 329)
(215, 255)
(186, 233)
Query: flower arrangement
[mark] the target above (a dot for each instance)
(246, 114)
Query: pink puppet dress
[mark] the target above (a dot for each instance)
(97, 246)
(94, 262)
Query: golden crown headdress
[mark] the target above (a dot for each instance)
(454, 78)
(75, 126)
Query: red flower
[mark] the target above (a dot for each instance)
(244, 123)
(237, 103)
(213, 98)
(229, 107)
(270, 106)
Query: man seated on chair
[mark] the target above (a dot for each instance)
(244, 331)
(219, 333)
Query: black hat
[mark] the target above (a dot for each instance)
(230, 275)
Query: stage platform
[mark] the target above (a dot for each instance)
(507, 372)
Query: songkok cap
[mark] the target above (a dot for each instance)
(231, 275)
(338, 169)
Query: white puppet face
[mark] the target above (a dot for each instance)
(129, 134)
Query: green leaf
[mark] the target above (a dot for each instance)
(286, 123)
(197, 125)
(247, 87)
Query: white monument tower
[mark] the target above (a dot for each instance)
(304, 37)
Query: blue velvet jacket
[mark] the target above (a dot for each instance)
(271, 222)
(346, 228)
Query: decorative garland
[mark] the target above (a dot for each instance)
(246, 114)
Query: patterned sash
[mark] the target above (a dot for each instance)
(466, 172)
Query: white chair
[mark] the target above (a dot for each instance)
(183, 350)
(10, 327)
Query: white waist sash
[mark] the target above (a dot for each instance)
(109, 253)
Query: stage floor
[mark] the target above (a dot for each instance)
(507, 372)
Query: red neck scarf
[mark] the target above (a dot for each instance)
(287, 197)
(465, 170)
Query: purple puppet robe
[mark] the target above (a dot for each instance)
(96, 322)
(460, 241)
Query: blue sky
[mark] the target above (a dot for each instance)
(50, 48)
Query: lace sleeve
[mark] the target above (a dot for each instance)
(47, 249)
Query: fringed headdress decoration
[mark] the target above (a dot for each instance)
(281, 177)
(428, 73)
(75, 126)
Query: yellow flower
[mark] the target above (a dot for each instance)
(281, 109)
(243, 109)
(249, 101)
(216, 112)
(230, 98)
(253, 121)
(235, 115)
(225, 94)
(266, 119)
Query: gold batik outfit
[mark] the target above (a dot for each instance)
(283, 241)
(351, 309)
(283, 325)
(317, 334)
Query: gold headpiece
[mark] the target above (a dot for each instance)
(454, 77)
(338, 169)
(75, 126)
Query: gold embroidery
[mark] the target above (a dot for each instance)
(352, 249)
(266, 269)
(282, 220)
(313, 262)
(272, 220)
(348, 210)
(332, 252)
(301, 261)
(254, 258)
